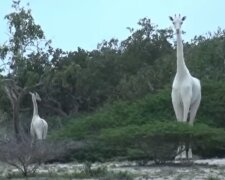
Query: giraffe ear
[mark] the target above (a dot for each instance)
(37, 96)
(183, 18)
(170, 18)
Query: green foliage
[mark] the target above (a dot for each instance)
(144, 129)
(205, 55)
(212, 108)
(213, 178)
(25, 43)
(159, 141)
(121, 113)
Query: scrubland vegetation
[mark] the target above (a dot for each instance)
(115, 100)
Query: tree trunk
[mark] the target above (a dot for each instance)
(14, 98)
(16, 118)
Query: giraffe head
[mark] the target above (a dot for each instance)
(35, 95)
(177, 22)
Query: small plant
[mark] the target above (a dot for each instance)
(87, 168)
(22, 154)
(180, 177)
(94, 172)
(213, 178)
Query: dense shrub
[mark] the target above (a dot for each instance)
(151, 108)
(159, 141)
(212, 108)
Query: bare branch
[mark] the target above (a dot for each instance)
(27, 156)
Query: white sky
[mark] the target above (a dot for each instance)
(85, 23)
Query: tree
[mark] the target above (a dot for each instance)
(25, 46)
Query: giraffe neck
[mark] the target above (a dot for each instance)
(35, 111)
(181, 66)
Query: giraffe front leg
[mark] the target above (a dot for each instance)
(193, 110)
(186, 95)
(177, 105)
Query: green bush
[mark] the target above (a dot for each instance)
(159, 141)
(212, 108)
(151, 108)
(130, 129)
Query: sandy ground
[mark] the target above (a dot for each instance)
(209, 169)
(199, 170)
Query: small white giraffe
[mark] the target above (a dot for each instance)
(39, 126)
(186, 89)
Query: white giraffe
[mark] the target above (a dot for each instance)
(39, 126)
(186, 89)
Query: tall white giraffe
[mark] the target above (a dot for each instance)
(186, 89)
(39, 126)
